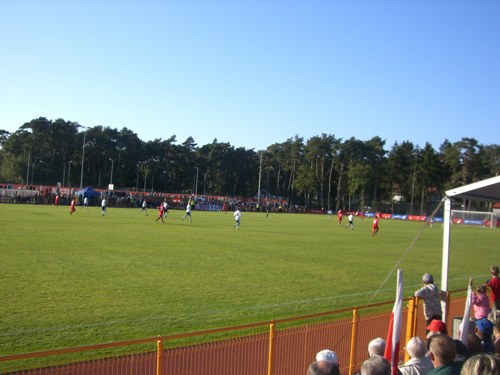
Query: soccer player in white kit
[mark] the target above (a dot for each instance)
(237, 217)
(188, 213)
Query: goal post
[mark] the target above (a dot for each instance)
(477, 218)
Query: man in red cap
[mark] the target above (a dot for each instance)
(436, 327)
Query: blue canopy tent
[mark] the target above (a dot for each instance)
(88, 192)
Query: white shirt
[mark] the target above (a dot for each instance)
(416, 366)
(188, 209)
(350, 217)
(237, 215)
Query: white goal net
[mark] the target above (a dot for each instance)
(478, 218)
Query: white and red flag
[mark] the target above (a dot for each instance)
(464, 326)
(394, 332)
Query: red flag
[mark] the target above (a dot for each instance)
(394, 331)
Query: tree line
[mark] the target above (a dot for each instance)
(323, 172)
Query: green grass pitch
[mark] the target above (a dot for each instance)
(85, 279)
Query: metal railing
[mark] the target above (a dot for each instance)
(280, 347)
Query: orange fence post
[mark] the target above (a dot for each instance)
(415, 319)
(159, 356)
(448, 300)
(354, 336)
(271, 349)
(410, 323)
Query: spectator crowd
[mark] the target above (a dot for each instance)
(437, 353)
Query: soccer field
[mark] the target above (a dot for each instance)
(85, 279)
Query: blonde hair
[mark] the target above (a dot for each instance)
(484, 364)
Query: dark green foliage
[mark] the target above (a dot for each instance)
(323, 172)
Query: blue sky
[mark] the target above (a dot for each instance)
(254, 73)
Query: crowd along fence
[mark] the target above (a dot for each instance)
(280, 347)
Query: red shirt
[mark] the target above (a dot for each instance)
(494, 285)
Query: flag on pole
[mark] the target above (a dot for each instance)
(464, 326)
(394, 331)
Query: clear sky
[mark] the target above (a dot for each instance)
(254, 73)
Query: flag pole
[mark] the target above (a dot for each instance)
(394, 331)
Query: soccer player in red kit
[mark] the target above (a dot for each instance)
(161, 211)
(72, 206)
(375, 226)
(339, 214)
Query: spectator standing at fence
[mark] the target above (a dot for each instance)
(431, 295)
(314, 369)
(484, 329)
(436, 327)
(462, 351)
(481, 364)
(442, 353)
(376, 347)
(496, 338)
(335, 370)
(376, 365)
(481, 303)
(188, 212)
(419, 363)
(494, 285)
(144, 207)
(72, 206)
(328, 362)
(473, 344)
